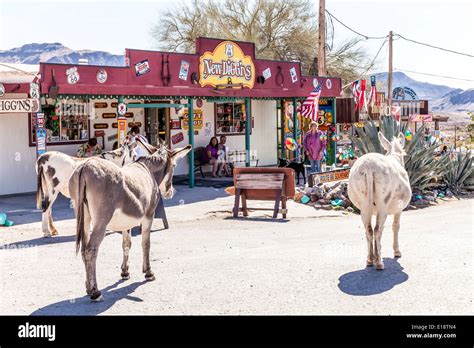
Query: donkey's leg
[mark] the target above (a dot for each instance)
(92, 249)
(381, 217)
(146, 226)
(126, 245)
(47, 218)
(369, 234)
(396, 228)
(87, 231)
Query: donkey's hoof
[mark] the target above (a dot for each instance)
(54, 232)
(125, 276)
(397, 254)
(380, 266)
(370, 263)
(97, 296)
(47, 235)
(149, 277)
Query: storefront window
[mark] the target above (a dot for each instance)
(230, 118)
(64, 122)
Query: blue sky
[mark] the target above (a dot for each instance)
(112, 26)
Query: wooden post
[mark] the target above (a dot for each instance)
(390, 69)
(282, 129)
(191, 141)
(322, 39)
(295, 124)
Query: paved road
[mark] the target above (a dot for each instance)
(207, 263)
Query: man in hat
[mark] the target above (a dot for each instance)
(314, 147)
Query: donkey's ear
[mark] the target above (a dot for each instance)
(384, 142)
(176, 154)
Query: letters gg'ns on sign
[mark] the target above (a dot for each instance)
(226, 63)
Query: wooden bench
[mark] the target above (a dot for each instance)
(260, 181)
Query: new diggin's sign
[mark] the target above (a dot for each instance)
(227, 64)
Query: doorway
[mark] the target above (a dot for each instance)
(157, 124)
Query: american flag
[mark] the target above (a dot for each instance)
(310, 107)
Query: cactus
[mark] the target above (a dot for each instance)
(422, 167)
(459, 172)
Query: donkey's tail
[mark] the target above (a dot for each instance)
(81, 200)
(39, 187)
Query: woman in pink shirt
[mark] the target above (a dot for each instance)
(314, 147)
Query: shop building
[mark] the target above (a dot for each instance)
(177, 98)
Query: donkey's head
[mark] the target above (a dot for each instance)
(161, 164)
(395, 147)
(122, 156)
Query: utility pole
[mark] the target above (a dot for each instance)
(322, 39)
(390, 69)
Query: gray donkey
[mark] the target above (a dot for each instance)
(106, 196)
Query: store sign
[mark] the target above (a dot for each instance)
(34, 91)
(2, 89)
(227, 64)
(101, 76)
(177, 138)
(334, 175)
(404, 93)
(142, 68)
(19, 105)
(421, 118)
(122, 130)
(72, 75)
(197, 119)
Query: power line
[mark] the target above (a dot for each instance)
(356, 32)
(371, 64)
(446, 77)
(439, 48)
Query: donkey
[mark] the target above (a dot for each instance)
(53, 172)
(106, 196)
(379, 185)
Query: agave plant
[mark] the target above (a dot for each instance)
(459, 171)
(423, 169)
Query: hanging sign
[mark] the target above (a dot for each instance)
(226, 64)
(101, 76)
(328, 84)
(122, 130)
(197, 119)
(183, 70)
(2, 89)
(141, 68)
(40, 120)
(34, 91)
(19, 105)
(404, 93)
(122, 109)
(40, 141)
(72, 75)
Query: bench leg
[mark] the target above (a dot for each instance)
(283, 206)
(200, 169)
(244, 204)
(236, 203)
(277, 204)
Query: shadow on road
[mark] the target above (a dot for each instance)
(84, 306)
(369, 281)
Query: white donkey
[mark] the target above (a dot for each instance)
(379, 185)
(54, 169)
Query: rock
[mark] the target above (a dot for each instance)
(314, 197)
(317, 205)
(326, 206)
(324, 201)
(308, 190)
(350, 209)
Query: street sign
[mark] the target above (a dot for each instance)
(40, 141)
(122, 130)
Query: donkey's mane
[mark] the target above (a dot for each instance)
(161, 155)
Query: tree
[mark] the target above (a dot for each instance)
(281, 30)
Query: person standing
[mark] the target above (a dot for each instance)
(89, 149)
(132, 137)
(314, 147)
(222, 155)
